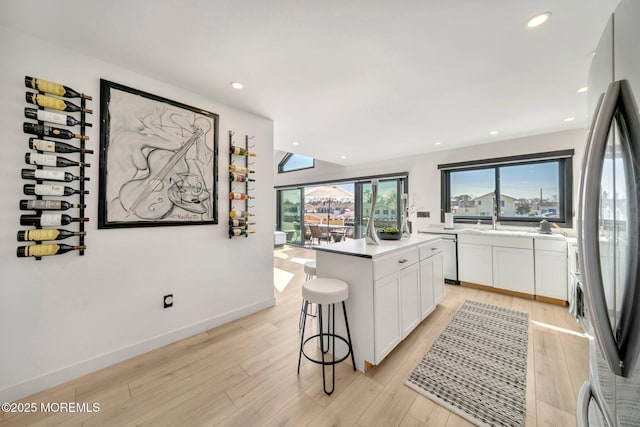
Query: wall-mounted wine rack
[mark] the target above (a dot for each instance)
(52, 162)
(239, 188)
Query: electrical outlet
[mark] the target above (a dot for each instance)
(168, 301)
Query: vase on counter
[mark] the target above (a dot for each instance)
(370, 235)
(406, 227)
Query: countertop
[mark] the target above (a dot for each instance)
(487, 231)
(359, 247)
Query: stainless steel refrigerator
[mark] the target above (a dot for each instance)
(608, 234)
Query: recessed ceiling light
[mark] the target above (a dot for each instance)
(237, 85)
(583, 89)
(295, 143)
(493, 132)
(437, 143)
(569, 119)
(343, 157)
(538, 19)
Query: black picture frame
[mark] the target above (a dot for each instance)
(158, 161)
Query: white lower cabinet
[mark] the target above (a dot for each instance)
(427, 300)
(396, 299)
(529, 265)
(386, 315)
(513, 269)
(409, 282)
(438, 278)
(475, 264)
(431, 283)
(551, 269)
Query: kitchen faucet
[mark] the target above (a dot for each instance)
(494, 216)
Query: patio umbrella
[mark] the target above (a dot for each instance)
(328, 194)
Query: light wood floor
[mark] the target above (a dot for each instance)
(244, 373)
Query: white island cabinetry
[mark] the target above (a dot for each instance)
(431, 277)
(396, 303)
(386, 289)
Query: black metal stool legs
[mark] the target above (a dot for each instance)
(304, 322)
(330, 336)
(346, 323)
(306, 311)
(330, 333)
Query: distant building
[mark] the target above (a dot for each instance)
(483, 206)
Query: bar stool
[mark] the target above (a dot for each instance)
(327, 291)
(310, 271)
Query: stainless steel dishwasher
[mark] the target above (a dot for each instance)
(450, 256)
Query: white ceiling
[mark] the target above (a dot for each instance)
(365, 79)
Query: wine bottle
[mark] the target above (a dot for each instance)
(54, 88)
(237, 177)
(49, 219)
(241, 151)
(240, 169)
(48, 249)
(45, 130)
(48, 205)
(54, 103)
(50, 190)
(239, 196)
(49, 175)
(55, 147)
(240, 223)
(51, 160)
(239, 214)
(240, 232)
(51, 117)
(40, 235)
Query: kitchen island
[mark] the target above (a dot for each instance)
(392, 288)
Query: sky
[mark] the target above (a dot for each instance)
(519, 181)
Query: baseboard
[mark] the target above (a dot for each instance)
(551, 300)
(43, 382)
(497, 290)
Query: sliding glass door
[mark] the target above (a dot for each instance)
(388, 209)
(343, 208)
(289, 215)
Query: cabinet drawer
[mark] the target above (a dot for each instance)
(517, 242)
(551, 245)
(430, 249)
(395, 262)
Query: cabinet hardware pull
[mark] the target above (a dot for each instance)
(402, 261)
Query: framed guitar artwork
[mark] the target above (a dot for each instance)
(157, 161)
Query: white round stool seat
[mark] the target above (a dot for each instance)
(325, 291)
(310, 268)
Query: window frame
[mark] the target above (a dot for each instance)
(286, 159)
(564, 158)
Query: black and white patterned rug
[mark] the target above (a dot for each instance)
(477, 367)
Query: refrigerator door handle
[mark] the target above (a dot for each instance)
(584, 400)
(588, 223)
(582, 405)
(628, 330)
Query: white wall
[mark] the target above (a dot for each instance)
(424, 175)
(67, 315)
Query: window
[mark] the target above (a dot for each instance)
(351, 207)
(293, 162)
(527, 189)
